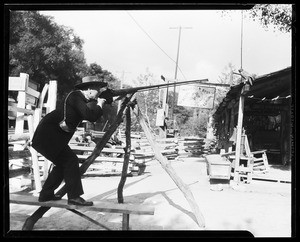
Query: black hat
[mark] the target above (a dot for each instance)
(90, 81)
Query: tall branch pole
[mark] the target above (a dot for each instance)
(169, 169)
(30, 221)
(126, 156)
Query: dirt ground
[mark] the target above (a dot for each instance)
(263, 208)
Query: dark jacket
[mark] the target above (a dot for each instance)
(49, 138)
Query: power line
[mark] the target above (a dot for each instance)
(155, 43)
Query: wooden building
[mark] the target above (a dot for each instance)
(266, 115)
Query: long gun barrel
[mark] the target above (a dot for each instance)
(122, 92)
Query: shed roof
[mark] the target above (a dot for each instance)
(265, 86)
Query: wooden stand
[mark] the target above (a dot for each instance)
(128, 102)
(30, 221)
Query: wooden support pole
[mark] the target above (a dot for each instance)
(169, 169)
(126, 156)
(30, 221)
(34, 157)
(239, 135)
(125, 221)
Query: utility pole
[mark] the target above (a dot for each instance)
(176, 67)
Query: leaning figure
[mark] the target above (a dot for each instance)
(54, 132)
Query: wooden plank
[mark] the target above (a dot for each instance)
(18, 154)
(271, 179)
(30, 100)
(104, 150)
(167, 140)
(33, 85)
(164, 152)
(17, 83)
(97, 207)
(32, 92)
(102, 158)
(19, 172)
(20, 110)
(18, 137)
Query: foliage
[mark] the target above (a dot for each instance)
(96, 70)
(148, 100)
(44, 50)
(196, 125)
(278, 15)
(47, 51)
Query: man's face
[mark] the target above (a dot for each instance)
(92, 93)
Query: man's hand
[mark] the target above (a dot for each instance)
(100, 102)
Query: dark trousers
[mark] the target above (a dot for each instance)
(66, 167)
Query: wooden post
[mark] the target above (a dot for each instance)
(52, 96)
(169, 169)
(34, 157)
(239, 134)
(126, 156)
(42, 96)
(19, 128)
(125, 221)
(50, 106)
(30, 221)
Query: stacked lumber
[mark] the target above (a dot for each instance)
(191, 146)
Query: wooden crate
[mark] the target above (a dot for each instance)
(218, 167)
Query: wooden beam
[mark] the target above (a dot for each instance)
(18, 137)
(98, 206)
(169, 169)
(18, 154)
(126, 159)
(20, 110)
(125, 221)
(239, 135)
(104, 150)
(101, 159)
(19, 172)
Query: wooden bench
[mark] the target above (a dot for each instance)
(124, 208)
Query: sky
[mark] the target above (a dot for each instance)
(133, 43)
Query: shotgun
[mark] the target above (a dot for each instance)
(110, 93)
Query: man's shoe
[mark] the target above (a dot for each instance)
(51, 198)
(79, 201)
